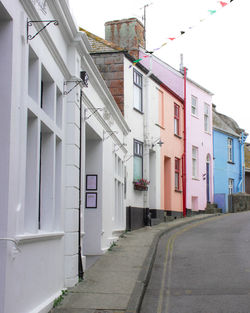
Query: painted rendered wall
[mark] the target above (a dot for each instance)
(222, 169)
(146, 134)
(196, 189)
(196, 136)
(172, 148)
(6, 33)
(40, 262)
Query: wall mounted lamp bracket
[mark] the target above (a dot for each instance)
(131, 155)
(77, 82)
(110, 133)
(93, 112)
(83, 80)
(30, 23)
(119, 147)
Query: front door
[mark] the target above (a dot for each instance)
(208, 179)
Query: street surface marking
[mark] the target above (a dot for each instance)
(168, 265)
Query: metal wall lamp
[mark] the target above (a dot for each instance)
(157, 142)
(30, 23)
(83, 80)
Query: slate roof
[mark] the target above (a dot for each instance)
(225, 124)
(99, 44)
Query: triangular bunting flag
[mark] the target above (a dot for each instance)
(136, 61)
(223, 3)
(182, 32)
(172, 38)
(211, 11)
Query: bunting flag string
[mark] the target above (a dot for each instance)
(182, 32)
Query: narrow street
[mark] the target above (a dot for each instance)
(203, 267)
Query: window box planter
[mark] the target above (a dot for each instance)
(140, 187)
(141, 184)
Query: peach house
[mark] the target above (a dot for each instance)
(171, 133)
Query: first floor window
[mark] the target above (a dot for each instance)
(138, 91)
(177, 174)
(206, 118)
(230, 186)
(230, 149)
(194, 162)
(194, 109)
(176, 119)
(138, 159)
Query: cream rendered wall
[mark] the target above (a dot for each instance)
(47, 260)
(135, 122)
(146, 134)
(101, 146)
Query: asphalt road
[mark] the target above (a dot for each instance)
(203, 267)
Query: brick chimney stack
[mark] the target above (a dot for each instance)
(126, 33)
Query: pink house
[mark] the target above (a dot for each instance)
(199, 144)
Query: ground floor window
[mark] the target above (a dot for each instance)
(177, 174)
(138, 159)
(230, 186)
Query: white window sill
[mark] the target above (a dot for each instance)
(196, 116)
(39, 236)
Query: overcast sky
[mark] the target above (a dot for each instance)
(216, 50)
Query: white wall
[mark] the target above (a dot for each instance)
(136, 122)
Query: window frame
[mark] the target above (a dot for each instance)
(196, 160)
(138, 83)
(195, 107)
(177, 172)
(176, 119)
(139, 155)
(207, 116)
(161, 108)
(230, 156)
(230, 186)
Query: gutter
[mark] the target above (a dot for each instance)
(80, 267)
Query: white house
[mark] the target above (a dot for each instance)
(54, 132)
(137, 95)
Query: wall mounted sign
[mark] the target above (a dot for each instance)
(91, 200)
(91, 182)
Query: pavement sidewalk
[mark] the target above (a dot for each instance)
(117, 281)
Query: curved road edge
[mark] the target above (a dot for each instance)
(138, 292)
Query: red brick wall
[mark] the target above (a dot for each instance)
(111, 66)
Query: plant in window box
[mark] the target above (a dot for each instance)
(141, 184)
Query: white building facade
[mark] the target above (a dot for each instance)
(52, 136)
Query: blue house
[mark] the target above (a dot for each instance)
(228, 141)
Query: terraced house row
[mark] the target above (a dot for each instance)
(93, 144)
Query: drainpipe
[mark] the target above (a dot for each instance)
(146, 135)
(242, 142)
(184, 177)
(80, 268)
